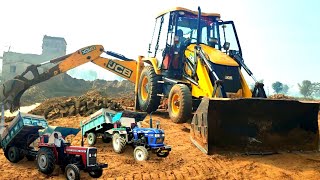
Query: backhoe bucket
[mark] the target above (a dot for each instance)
(255, 126)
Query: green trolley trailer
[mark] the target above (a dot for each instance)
(20, 134)
(103, 120)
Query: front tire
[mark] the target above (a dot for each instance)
(118, 143)
(96, 173)
(13, 154)
(140, 153)
(148, 90)
(72, 172)
(46, 160)
(91, 138)
(180, 103)
(163, 155)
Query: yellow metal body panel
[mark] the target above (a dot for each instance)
(206, 87)
(246, 92)
(187, 10)
(215, 55)
(154, 63)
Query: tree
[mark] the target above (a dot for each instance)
(277, 87)
(285, 89)
(306, 88)
(316, 89)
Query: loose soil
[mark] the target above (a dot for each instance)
(184, 162)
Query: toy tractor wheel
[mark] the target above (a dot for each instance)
(180, 103)
(162, 154)
(46, 160)
(118, 143)
(148, 90)
(13, 154)
(91, 138)
(140, 153)
(96, 173)
(72, 172)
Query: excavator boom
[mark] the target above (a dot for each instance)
(12, 90)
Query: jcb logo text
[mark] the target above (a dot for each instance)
(119, 69)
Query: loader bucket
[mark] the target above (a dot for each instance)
(255, 126)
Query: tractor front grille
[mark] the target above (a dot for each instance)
(159, 140)
(92, 157)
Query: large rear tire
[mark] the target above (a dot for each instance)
(72, 172)
(148, 90)
(91, 138)
(46, 160)
(13, 154)
(118, 143)
(180, 103)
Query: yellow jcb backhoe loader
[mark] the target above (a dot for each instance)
(195, 64)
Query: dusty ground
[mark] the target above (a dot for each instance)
(184, 162)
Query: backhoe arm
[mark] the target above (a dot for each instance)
(12, 90)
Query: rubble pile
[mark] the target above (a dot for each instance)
(71, 106)
(280, 96)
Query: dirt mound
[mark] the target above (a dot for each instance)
(280, 96)
(64, 85)
(184, 162)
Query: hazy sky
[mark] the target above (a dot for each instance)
(280, 39)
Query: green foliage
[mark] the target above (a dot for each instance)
(306, 88)
(277, 87)
(285, 89)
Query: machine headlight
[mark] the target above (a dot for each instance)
(157, 135)
(162, 135)
(95, 155)
(89, 155)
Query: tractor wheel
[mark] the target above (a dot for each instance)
(140, 153)
(96, 174)
(72, 172)
(21, 155)
(30, 157)
(91, 138)
(118, 143)
(46, 160)
(148, 90)
(164, 154)
(180, 103)
(13, 154)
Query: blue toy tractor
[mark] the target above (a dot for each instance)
(143, 140)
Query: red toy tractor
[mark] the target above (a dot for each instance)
(71, 159)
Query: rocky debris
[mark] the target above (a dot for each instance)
(83, 105)
(280, 96)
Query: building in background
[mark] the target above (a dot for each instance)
(14, 63)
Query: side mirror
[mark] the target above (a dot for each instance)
(226, 46)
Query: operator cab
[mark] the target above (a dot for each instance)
(177, 28)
